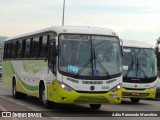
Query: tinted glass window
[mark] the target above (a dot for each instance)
(89, 55)
(35, 47)
(5, 51)
(14, 49)
(139, 62)
(19, 49)
(27, 48)
(43, 51)
(8, 50)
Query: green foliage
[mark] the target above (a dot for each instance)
(157, 52)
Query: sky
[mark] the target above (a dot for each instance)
(130, 19)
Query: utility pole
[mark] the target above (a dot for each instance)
(63, 13)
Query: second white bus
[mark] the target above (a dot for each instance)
(139, 70)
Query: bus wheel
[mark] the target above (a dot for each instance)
(135, 100)
(43, 98)
(15, 94)
(95, 106)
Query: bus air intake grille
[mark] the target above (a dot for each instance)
(91, 99)
(140, 94)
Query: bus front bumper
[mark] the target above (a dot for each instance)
(57, 94)
(147, 93)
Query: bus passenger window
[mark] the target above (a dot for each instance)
(5, 51)
(14, 50)
(19, 49)
(8, 50)
(27, 48)
(35, 47)
(43, 51)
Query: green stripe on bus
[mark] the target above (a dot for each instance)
(28, 87)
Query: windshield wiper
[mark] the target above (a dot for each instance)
(82, 68)
(93, 60)
(100, 64)
(85, 65)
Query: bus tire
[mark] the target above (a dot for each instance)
(15, 93)
(42, 97)
(135, 100)
(95, 106)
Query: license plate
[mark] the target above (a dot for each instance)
(135, 93)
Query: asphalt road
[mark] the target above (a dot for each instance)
(71, 112)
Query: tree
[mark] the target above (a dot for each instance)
(157, 52)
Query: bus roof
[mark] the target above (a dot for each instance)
(70, 29)
(136, 44)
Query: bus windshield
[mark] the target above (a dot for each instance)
(89, 55)
(139, 62)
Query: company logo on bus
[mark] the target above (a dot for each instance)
(92, 87)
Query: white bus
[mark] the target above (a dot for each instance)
(77, 65)
(139, 70)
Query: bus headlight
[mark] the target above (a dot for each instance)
(65, 87)
(114, 89)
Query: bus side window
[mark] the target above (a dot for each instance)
(14, 50)
(43, 48)
(52, 56)
(35, 47)
(8, 50)
(5, 51)
(27, 48)
(19, 49)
